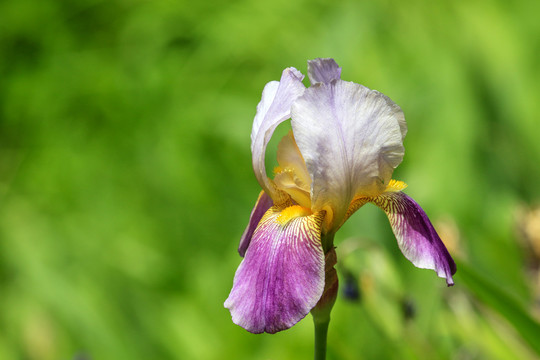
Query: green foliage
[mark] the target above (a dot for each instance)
(126, 182)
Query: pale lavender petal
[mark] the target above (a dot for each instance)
(273, 109)
(416, 237)
(351, 139)
(281, 277)
(264, 202)
(323, 70)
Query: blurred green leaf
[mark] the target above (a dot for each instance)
(496, 297)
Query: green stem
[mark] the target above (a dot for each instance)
(321, 330)
(321, 311)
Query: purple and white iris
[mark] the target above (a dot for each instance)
(346, 141)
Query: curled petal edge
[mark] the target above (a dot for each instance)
(272, 110)
(264, 202)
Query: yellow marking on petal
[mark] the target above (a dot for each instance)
(278, 170)
(292, 212)
(279, 197)
(395, 185)
(359, 201)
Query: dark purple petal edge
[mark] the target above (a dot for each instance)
(264, 202)
(416, 236)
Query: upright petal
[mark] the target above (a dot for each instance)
(264, 202)
(273, 109)
(323, 70)
(292, 176)
(289, 157)
(281, 277)
(416, 237)
(351, 139)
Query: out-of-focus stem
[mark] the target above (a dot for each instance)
(321, 311)
(321, 331)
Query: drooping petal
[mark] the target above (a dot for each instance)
(264, 202)
(281, 277)
(416, 237)
(273, 109)
(351, 139)
(323, 70)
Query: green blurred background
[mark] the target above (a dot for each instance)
(126, 180)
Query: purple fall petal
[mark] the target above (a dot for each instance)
(416, 237)
(323, 70)
(264, 202)
(281, 277)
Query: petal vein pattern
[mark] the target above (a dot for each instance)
(351, 139)
(417, 239)
(282, 275)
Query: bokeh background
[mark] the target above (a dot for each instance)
(126, 180)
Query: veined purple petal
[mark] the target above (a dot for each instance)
(273, 109)
(264, 202)
(351, 139)
(281, 277)
(323, 70)
(416, 237)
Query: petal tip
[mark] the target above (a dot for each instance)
(417, 238)
(323, 70)
(294, 72)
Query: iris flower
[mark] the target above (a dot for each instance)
(346, 141)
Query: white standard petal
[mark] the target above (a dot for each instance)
(273, 109)
(351, 139)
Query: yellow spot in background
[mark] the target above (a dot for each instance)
(450, 235)
(292, 212)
